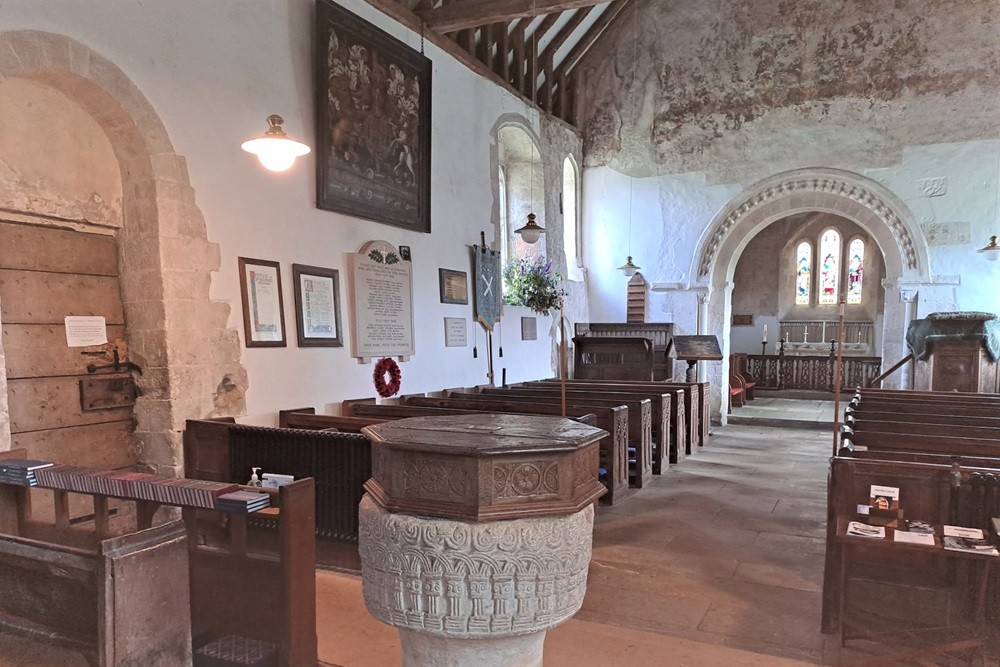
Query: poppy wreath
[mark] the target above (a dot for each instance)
(390, 388)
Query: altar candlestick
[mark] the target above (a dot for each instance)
(822, 335)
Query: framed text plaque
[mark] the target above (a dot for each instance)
(263, 308)
(317, 306)
(382, 301)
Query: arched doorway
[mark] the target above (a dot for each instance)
(859, 199)
(190, 359)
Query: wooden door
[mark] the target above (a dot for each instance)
(59, 409)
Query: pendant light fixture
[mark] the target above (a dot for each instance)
(531, 232)
(275, 149)
(629, 269)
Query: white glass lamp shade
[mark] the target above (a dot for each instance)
(992, 250)
(275, 150)
(531, 232)
(628, 268)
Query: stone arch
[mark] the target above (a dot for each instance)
(873, 207)
(190, 359)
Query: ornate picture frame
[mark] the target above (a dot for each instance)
(263, 305)
(317, 306)
(373, 122)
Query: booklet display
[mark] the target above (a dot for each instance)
(858, 529)
(970, 545)
(924, 539)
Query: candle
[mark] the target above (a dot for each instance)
(764, 339)
(823, 334)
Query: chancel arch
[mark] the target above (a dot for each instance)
(883, 216)
(165, 257)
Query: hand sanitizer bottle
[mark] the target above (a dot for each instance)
(254, 478)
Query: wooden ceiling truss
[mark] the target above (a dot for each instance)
(499, 39)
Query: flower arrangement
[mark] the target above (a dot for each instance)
(531, 282)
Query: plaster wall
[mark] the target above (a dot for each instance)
(213, 72)
(698, 100)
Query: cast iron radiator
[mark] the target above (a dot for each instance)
(340, 463)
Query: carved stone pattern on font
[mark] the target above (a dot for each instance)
(521, 479)
(468, 580)
(836, 186)
(585, 468)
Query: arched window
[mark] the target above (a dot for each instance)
(505, 245)
(829, 267)
(803, 273)
(571, 220)
(855, 270)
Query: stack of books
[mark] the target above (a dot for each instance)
(21, 472)
(242, 502)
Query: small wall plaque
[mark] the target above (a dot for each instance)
(529, 328)
(742, 320)
(456, 332)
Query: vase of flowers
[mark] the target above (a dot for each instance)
(531, 282)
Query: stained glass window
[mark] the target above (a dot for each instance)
(855, 270)
(829, 267)
(803, 273)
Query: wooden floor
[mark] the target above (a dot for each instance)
(719, 562)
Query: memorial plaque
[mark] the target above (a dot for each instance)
(382, 291)
(455, 332)
(698, 348)
(529, 328)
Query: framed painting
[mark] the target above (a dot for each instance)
(373, 122)
(263, 307)
(454, 286)
(317, 306)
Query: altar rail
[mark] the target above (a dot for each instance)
(815, 373)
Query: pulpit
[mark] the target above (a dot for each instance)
(956, 352)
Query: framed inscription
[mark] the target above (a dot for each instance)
(454, 286)
(373, 129)
(317, 306)
(263, 308)
(742, 320)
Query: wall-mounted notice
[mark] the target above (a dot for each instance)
(382, 293)
(529, 328)
(456, 332)
(85, 330)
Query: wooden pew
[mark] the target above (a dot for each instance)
(614, 420)
(937, 493)
(55, 588)
(925, 416)
(916, 426)
(910, 394)
(922, 443)
(697, 408)
(307, 419)
(659, 436)
(639, 429)
(680, 434)
(243, 583)
(340, 463)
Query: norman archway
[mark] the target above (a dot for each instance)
(884, 216)
(191, 361)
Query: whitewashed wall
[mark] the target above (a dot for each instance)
(213, 71)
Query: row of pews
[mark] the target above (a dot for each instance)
(942, 451)
(650, 425)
